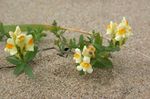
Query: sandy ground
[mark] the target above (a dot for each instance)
(56, 77)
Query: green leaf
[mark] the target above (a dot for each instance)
(81, 42)
(81, 73)
(102, 63)
(14, 60)
(98, 39)
(2, 32)
(64, 40)
(54, 23)
(30, 55)
(36, 33)
(19, 69)
(72, 43)
(90, 39)
(112, 48)
(28, 71)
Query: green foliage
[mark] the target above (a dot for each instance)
(19, 68)
(36, 33)
(102, 58)
(22, 64)
(28, 71)
(14, 60)
(2, 32)
(30, 55)
(81, 42)
(102, 53)
(61, 42)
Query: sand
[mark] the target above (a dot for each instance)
(56, 77)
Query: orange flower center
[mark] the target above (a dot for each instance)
(122, 31)
(21, 38)
(30, 41)
(85, 65)
(77, 55)
(91, 48)
(9, 46)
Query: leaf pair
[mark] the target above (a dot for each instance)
(22, 65)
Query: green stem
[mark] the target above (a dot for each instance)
(25, 27)
(45, 27)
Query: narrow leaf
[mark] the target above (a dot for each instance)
(28, 71)
(30, 55)
(14, 60)
(19, 69)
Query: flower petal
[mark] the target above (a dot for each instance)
(90, 70)
(10, 47)
(29, 43)
(77, 50)
(79, 68)
(17, 31)
(86, 59)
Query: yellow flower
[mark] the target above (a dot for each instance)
(90, 51)
(85, 65)
(10, 47)
(29, 43)
(17, 32)
(111, 28)
(77, 56)
(19, 41)
(123, 30)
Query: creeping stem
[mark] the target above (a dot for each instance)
(45, 27)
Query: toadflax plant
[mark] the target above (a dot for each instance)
(98, 55)
(90, 51)
(22, 50)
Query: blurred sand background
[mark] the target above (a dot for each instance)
(56, 77)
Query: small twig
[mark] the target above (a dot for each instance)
(49, 48)
(12, 66)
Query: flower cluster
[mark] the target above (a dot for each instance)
(19, 43)
(119, 32)
(83, 58)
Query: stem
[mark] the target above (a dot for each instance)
(45, 27)
(12, 66)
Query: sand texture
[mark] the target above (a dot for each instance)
(56, 77)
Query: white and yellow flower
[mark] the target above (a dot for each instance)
(29, 43)
(77, 56)
(85, 51)
(19, 41)
(85, 65)
(112, 28)
(17, 32)
(90, 51)
(123, 30)
(11, 47)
